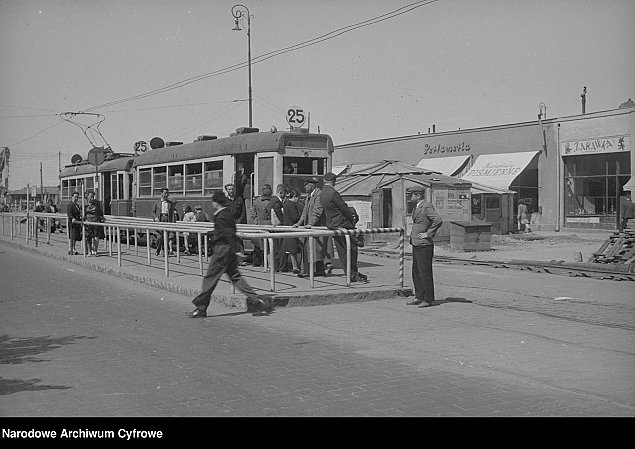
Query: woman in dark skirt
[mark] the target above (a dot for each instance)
(94, 214)
(292, 209)
(74, 213)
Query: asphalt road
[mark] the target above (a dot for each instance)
(499, 342)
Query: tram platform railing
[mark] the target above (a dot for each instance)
(115, 226)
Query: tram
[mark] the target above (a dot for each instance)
(112, 183)
(129, 184)
(193, 171)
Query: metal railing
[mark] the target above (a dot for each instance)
(115, 225)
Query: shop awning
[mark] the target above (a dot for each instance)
(448, 166)
(630, 185)
(499, 170)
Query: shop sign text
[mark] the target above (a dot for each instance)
(597, 145)
(434, 149)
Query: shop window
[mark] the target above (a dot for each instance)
(476, 204)
(593, 182)
(492, 202)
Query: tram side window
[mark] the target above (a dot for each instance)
(113, 187)
(213, 177)
(193, 179)
(65, 194)
(145, 182)
(175, 179)
(72, 186)
(120, 186)
(160, 180)
(89, 183)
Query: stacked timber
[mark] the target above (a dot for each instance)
(619, 248)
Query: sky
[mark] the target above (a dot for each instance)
(360, 69)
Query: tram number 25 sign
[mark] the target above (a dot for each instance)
(296, 117)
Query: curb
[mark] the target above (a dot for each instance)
(232, 301)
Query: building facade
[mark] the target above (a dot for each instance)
(568, 170)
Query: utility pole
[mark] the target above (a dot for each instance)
(41, 184)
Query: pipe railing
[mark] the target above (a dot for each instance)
(266, 233)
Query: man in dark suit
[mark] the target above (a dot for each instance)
(164, 210)
(339, 215)
(236, 196)
(425, 223)
(224, 260)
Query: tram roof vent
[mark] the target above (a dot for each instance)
(205, 137)
(246, 130)
(173, 144)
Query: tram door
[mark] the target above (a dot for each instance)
(107, 193)
(245, 164)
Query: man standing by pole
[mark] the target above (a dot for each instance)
(338, 216)
(425, 223)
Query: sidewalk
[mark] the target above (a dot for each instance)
(383, 272)
(185, 277)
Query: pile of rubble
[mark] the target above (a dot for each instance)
(619, 248)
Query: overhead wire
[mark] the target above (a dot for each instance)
(261, 58)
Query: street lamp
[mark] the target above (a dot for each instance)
(240, 14)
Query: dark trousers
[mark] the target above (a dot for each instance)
(164, 219)
(223, 260)
(319, 243)
(340, 246)
(422, 272)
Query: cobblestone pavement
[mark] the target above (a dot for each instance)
(78, 343)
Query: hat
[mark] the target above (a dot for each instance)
(330, 176)
(219, 197)
(311, 181)
(198, 207)
(417, 189)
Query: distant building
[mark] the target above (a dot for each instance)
(570, 170)
(35, 193)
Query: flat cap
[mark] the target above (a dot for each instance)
(330, 176)
(416, 189)
(311, 181)
(219, 197)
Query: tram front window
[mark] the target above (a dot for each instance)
(295, 170)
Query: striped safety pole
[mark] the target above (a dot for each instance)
(200, 253)
(401, 256)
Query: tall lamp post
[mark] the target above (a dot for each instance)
(241, 12)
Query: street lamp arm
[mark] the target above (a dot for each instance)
(238, 15)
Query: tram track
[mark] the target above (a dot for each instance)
(590, 270)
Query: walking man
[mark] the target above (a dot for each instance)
(224, 260)
(425, 223)
(339, 215)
